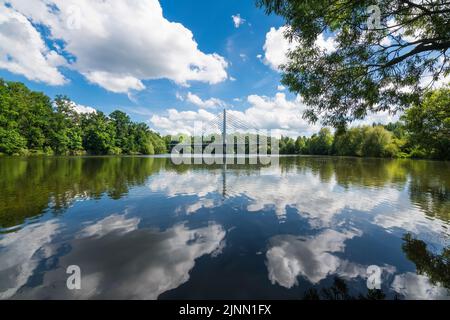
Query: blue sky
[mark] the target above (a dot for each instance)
(167, 68)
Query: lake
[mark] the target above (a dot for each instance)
(144, 228)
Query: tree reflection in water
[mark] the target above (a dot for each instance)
(435, 267)
(32, 185)
(319, 197)
(340, 291)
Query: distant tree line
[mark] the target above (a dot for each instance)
(423, 132)
(31, 123)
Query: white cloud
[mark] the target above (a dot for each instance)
(114, 223)
(23, 51)
(320, 202)
(277, 47)
(188, 184)
(79, 108)
(117, 44)
(313, 258)
(114, 82)
(139, 111)
(83, 109)
(21, 253)
(238, 20)
(281, 88)
(418, 287)
(181, 122)
(383, 117)
(329, 44)
(205, 104)
(278, 114)
(154, 261)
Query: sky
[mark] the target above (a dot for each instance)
(168, 63)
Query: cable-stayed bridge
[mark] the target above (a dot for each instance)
(226, 132)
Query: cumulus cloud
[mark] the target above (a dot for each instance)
(21, 253)
(23, 51)
(318, 201)
(181, 122)
(81, 109)
(418, 287)
(114, 223)
(115, 44)
(187, 184)
(119, 261)
(313, 258)
(238, 20)
(205, 104)
(278, 114)
(383, 117)
(277, 47)
(328, 45)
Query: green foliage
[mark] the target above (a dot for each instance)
(11, 142)
(424, 132)
(99, 134)
(362, 141)
(349, 143)
(429, 125)
(370, 66)
(287, 146)
(321, 143)
(378, 143)
(30, 123)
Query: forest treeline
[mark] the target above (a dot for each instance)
(423, 132)
(33, 124)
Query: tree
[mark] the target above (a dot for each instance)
(11, 142)
(429, 124)
(124, 134)
(145, 141)
(349, 142)
(25, 116)
(65, 131)
(31, 122)
(378, 143)
(376, 64)
(321, 143)
(287, 145)
(99, 134)
(300, 145)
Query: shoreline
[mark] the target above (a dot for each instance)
(168, 156)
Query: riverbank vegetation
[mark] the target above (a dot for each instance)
(32, 124)
(423, 132)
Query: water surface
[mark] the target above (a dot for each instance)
(143, 228)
